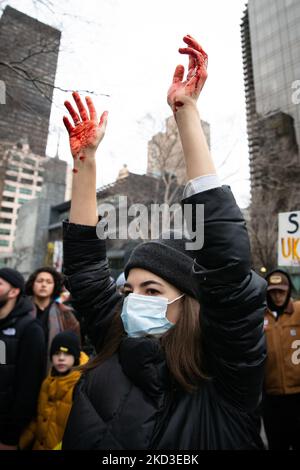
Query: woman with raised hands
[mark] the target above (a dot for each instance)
(181, 352)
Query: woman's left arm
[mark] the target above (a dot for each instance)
(232, 300)
(182, 98)
(232, 297)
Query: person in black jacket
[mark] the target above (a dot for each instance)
(181, 355)
(22, 365)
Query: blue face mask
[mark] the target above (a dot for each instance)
(146, 315)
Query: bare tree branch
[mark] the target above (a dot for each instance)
(21, 66)
(24, 74)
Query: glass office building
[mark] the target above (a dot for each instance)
(270, 37)
(270, 33)
(275, 44)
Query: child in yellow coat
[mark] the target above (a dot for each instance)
(55, 399)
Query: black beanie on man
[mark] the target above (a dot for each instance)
(67, 342)
(168, 259)
(13, 277)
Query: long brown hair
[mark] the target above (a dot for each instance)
(183, 347)
(181, 344)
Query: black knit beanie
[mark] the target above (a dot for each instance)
(68, 342)
(13, 277)
(168, 259)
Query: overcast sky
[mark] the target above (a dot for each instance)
(128, 49)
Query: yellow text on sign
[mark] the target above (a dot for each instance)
(290, 249)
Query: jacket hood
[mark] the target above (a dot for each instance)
(271, 305)
(23, 307)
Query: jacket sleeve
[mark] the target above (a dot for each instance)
(232, 300)
(88, 279)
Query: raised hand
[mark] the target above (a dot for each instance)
(182, 92)
(86, 133)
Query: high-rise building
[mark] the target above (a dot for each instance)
(28, 61)
(270, 32)
(21, 179)
(31, 235)
(23, 175)
(271, 59)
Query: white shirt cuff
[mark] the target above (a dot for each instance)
(200, 184)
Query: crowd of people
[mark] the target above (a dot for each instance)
(39, 332)
(189, 351)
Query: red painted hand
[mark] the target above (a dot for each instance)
(181, 92)
(87, 132)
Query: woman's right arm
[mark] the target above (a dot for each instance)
(85, 263)
(85, 135)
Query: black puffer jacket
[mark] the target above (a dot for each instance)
(21, 370)
(128, 401)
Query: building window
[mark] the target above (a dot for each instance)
(29, 161)
(7, 209)
(25, 191)
(22, 201)
(5, 221)
(4, 231)
(27, 171)
(7, 187)
(39, 183)
(8, 199)
(25, 181)
(13, 167)
(11, 178)
(16, 158)
(4, 243)
(40, 173)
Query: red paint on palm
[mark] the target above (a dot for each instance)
(196, 76)
(82, 136)
(86, 133)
